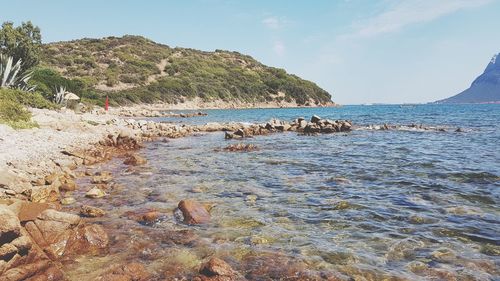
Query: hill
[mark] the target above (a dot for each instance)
(133, 69)
(485, 89)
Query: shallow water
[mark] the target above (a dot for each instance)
(378, 204)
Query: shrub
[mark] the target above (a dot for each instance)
(14, 113)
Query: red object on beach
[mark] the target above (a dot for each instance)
(106, 104)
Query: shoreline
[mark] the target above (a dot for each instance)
(39, 170)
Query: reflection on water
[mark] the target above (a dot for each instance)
(377, 204)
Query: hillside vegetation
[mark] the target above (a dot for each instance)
(134, 69)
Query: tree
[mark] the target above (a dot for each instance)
(21, 43)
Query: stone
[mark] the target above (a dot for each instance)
(90, 211)
(129, 272)
(95, 193)
(194, 212)
(29, 211)
(134, 160)
(10, 228)
(315, 119)
(87, 239)
(103, 177)
(46, 193)
(53, 215)
(68, 201)
(240, 133)
(216, 267)
(67, 185)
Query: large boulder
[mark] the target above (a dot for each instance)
(194, 212)
(10, 227)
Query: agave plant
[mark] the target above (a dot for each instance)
(59, 95)
(12, 76)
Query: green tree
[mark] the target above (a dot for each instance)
(21, 42)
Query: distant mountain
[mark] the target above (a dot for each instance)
(485, 89)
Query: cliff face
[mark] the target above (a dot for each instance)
(484, 89)
(136, 69)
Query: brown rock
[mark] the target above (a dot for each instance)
(46, 193)
(194, 212)
(10, 227)
(129, 272)
(90, 211)
(104, 177)
(134, 160)
(216, 267)
(53, 215)
(29, 211)
(67, 185)
(89, 239)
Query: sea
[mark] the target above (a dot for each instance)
(420, 201)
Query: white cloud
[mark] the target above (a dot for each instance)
(274, 22)
(408, 12)
(279, 48)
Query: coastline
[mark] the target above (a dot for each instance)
(40, 169)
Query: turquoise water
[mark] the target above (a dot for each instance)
(409, 204)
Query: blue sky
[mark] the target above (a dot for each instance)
(361, 51)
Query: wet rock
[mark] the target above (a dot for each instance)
(443, 255)
(194, 212)
(102, 178)
(144, 216)
(241, 147)
(134, 160)
(67, 185)
(315, 119)
(216, 267)
(90, 211)
(95, 193)
(342, 205)
(87, 239)
(68, 201)
(129, 272)
(403, 249)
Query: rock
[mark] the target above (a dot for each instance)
(29, 211)
(90, 211)
(443, 255)
(87, 239)
(151, 216)
(129, 272)
(95, 193)
(102, 177)
(46, 193)
(240, 133)
(216, 267)
(53, 215)
(134, 160)
(144, 215)
(68, 201)
(194, 212)
(10, 228)
(315, 119)
(228, 135)
(67, 185)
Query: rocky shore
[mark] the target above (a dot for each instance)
(38, 171)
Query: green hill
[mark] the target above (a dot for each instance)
(133, 69)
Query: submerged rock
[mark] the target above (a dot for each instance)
(134, 160)
(216, 267)
(90, 211)
(130, 272)
(194, 212)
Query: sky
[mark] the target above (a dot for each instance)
(360, 51)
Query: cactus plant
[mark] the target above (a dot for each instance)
(59, 95)
(12, 76)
